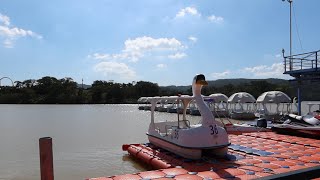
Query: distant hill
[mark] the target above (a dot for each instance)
(310, 90)
(222, 82)
(176, 88)
(235, 82)
(216, 83)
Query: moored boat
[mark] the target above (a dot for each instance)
(218, 105)
(277, 99)
(142, 103)
(184, 139)
(162, 106)
(193, 109)
(293, 124)
(241, 106)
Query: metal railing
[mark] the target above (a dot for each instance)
(303, 61)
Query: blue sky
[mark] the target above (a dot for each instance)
(162, 41)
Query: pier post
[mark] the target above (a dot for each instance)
(46, 158)
(299, 98)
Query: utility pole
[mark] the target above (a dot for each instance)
(291, 61)
(82, 83)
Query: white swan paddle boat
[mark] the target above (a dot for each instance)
(181, 138)
(239, 100)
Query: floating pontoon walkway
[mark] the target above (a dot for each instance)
(264, 155)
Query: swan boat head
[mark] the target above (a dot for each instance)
(198, 81)
(207, 117)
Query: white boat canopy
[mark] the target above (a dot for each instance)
(218, 97)
(273, 97)
(241, 97)
(142, 99)
(169, 98)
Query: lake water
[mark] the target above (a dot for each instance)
(87, 139)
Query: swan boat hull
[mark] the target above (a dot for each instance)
(190, 153)
(190, 142)
(187, 152)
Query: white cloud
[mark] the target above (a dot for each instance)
(278, 55)
(8, 43)
(99, 56)
(115, 68)
(263, 71)
(4, 19)
(135, 49)
(188, 10)
(161, 66)
(11, 34)
(177, 56)
(215, 19)
(220, 75)
(17, 32)
(148, 43)
(192, 11)
(193, 39)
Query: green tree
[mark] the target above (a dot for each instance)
(146, 89)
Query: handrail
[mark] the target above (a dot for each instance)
(297, 62)
(303, 53)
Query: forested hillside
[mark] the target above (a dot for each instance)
(50, 90)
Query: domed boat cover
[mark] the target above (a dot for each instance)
(273, 97)
(218, 97)
(241, 97)
(142, 99)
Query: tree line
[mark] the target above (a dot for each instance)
(50, 90)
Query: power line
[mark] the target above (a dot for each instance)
(297, 29)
